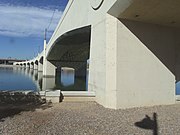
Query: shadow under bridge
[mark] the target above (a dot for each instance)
(72, 50)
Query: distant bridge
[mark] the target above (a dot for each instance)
(10, 61)
(132, 45)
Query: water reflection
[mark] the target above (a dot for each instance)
(178, 88)
(67, 77)
(13, 78)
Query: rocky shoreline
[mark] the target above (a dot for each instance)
(89, 118)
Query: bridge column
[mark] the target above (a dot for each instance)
(123, 72)
(27, 66)
(49, 70)
(103, 62)
(48, 83)
(35, 66)
(40, 67)
(31, 66)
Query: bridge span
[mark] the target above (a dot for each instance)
(132, 45)
(9, 61)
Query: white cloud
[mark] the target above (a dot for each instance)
(26, 21)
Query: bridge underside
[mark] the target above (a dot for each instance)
(71, 50)
(73, 46)
(163, 12)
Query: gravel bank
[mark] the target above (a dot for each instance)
(89, 118)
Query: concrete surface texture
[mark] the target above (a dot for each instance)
(132, 47)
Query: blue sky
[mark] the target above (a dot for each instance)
(22, 25)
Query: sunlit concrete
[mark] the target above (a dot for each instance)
(31, 65)
(132, 45)
(48, 83)
(28, 65)
(36, 65)
(40, 64)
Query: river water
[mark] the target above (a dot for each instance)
(28, 79)
(13, 78)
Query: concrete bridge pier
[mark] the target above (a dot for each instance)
(31, 65)
(129, 72)
(40, 75)
(49, 70)
(27, 65)
(48, 83)
(35, 65)
(40, 67)
(40, 64)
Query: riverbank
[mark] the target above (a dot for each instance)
(80, 118)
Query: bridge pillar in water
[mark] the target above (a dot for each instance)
(27, 66)
(31, 66)
(40, 67)
(49, 70)
(48, 83)
(5, 62)
(35, 66)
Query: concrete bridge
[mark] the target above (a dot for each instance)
(132, 45)
(9, 61)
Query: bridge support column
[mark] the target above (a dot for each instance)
(31, 66)
(40, 76)
(35, 66)
(49, 70)
(40, 67)
(126, 73)
(48, 83)
(27, 66)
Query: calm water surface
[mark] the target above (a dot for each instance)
(27, 79)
